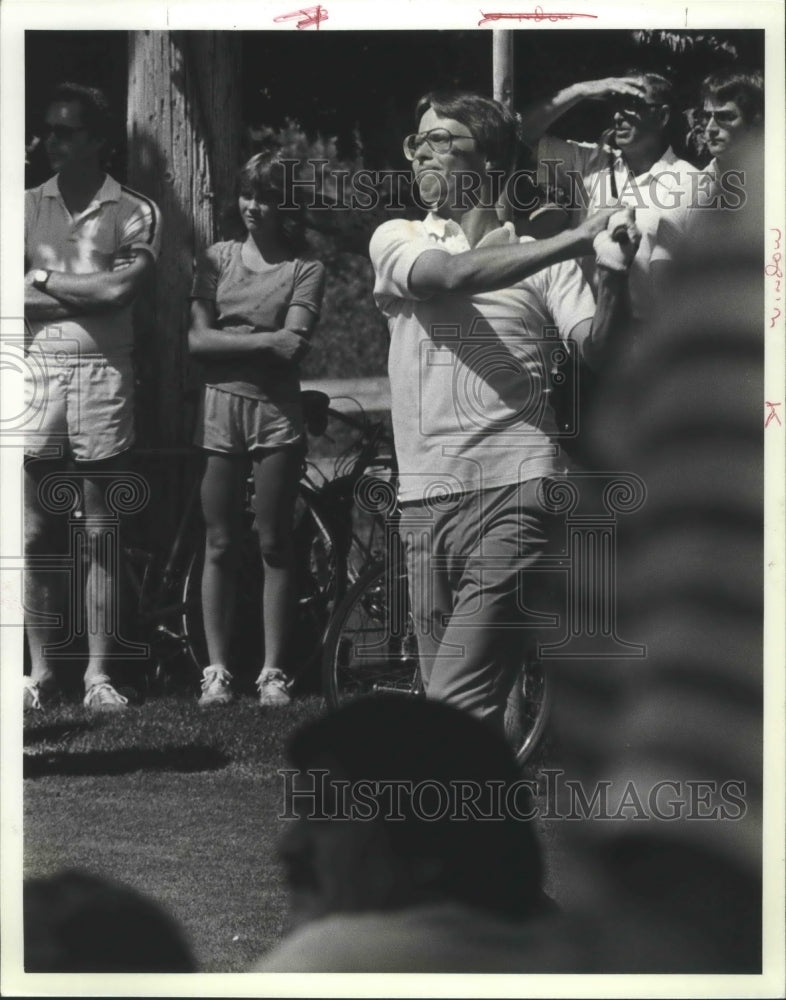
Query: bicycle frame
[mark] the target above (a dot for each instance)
(339, 493)
(161, 583)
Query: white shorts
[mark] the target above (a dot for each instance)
(82, 407)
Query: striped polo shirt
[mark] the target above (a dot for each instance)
(116, 220)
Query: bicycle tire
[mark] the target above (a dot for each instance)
(363, 655)
(371, 648)
(320, 583)
(528, 709)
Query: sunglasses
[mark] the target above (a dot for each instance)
(703, 118)
(439, 139)
(632, 108)
(63, 132)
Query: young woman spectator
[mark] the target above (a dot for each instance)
(255, 302)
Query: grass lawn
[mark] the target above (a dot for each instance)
(180, 804)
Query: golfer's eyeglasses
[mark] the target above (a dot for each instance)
(439, 139)
(703, 118)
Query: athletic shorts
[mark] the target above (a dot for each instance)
(235, 424)
(82, 407)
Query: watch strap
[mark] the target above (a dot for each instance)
(39, 281)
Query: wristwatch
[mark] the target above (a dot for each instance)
(40, 278)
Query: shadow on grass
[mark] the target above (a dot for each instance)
(53, 731)
(183, 759)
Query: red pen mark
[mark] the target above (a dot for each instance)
(310, 17)
(772, 415)
(773, 270)
(537, 15)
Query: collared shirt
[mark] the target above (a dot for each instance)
(117, 219)
(675, 228)
(469, 374)
(654, 194)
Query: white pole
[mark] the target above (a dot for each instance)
(502, 65)
(502, 72)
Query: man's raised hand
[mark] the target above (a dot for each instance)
(625, 86)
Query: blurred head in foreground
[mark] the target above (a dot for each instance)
(683, 410)
(76, 922)
(391, 839)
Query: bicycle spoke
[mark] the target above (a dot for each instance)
(368, 654)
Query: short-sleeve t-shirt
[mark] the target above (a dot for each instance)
(116, 220)
(469, 374)
(257, 301)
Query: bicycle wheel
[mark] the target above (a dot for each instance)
(371, 648)
(527, 711)
(321, 577)
(319, 581)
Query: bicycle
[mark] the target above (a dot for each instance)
(166, 589)
(167, 596)
(371, 647)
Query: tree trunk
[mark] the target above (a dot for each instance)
(183, 144)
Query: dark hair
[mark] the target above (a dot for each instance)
(744, 87)
(96, 112)
(491, 124)
(270, 180)
(662, 88)
(76, 922)
(492, 864)
(663, 92)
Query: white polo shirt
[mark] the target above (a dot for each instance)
(469, 374)
(675, 228)
(116, 219)
(663, 188)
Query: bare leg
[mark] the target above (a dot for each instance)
(102, 602)
(46, 590)
(276, 475)
(222, 493)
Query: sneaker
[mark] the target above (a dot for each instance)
(216, 687)
(31, 696)
(273, 688)
(102, 697)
